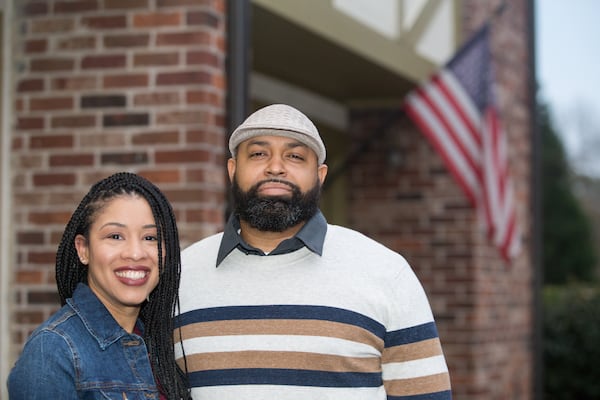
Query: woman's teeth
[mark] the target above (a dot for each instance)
(131, 274)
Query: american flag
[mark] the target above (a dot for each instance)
(456, 111)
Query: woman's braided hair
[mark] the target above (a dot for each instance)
(156, 314)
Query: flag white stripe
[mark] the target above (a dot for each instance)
(469, 176)
(461, 130)
(463, 100)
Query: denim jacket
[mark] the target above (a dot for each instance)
(82, 353)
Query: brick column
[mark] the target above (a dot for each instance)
(105, 86)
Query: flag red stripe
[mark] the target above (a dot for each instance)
(449, 130)
(453, 95)
(423, 123)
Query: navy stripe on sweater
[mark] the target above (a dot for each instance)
(280, 312)
(267, 376)
(411, 335)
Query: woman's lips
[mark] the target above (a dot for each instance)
(133, 276)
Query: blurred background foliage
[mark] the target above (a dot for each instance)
(571, 293)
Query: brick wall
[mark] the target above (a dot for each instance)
(402, 195)
(103, 86)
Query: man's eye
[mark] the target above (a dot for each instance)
(296, 156)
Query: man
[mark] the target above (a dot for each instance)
(282, 305)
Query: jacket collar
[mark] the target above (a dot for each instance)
(95, 317)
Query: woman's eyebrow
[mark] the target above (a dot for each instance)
(120, 225)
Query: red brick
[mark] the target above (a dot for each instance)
(182, 156)
(204, 97)
(51, 141)
(31, 85)
(125, 119)
(30, 237)
(177, 3)
(53, 179)
(42, 297)
(77, 43)
(129, 158)
(156, 19)
(41, 257)
(103, 61)
(155, 138)
(36, 46)
(183, 78)
(75, 83)
(51, 103)
(129, 40)
(71, 160)
(200, 136)
(184, 117)
(103, 139)
(103, 101)
(156, 99)
(52, 64)
(219, 81)
(17, 144)
(183, 39)
(30, 317)
(19, 105)
(161, 176)
(75, 6)
(74, 121)
(105, 22)
(202, 18)
(155, 59)
(56, 25)
(126, 4)
(200, 57)
(125, 81)
(30, 123)
(193, 196)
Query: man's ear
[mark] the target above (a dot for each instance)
(231, 164)
(322, 172)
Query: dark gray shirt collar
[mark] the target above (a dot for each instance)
(312, 235)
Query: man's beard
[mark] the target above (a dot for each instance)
(275, 213)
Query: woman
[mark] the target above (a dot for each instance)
(117, 272)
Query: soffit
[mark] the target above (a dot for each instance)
(312, 44)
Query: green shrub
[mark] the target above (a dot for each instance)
(571, 342)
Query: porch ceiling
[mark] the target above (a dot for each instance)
(286, 51)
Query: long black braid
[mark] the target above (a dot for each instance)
(164, 300)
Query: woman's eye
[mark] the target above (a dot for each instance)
(116, 236)
(151, 238)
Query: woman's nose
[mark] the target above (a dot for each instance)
(134, 250)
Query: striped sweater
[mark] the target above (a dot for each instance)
(351, 324)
